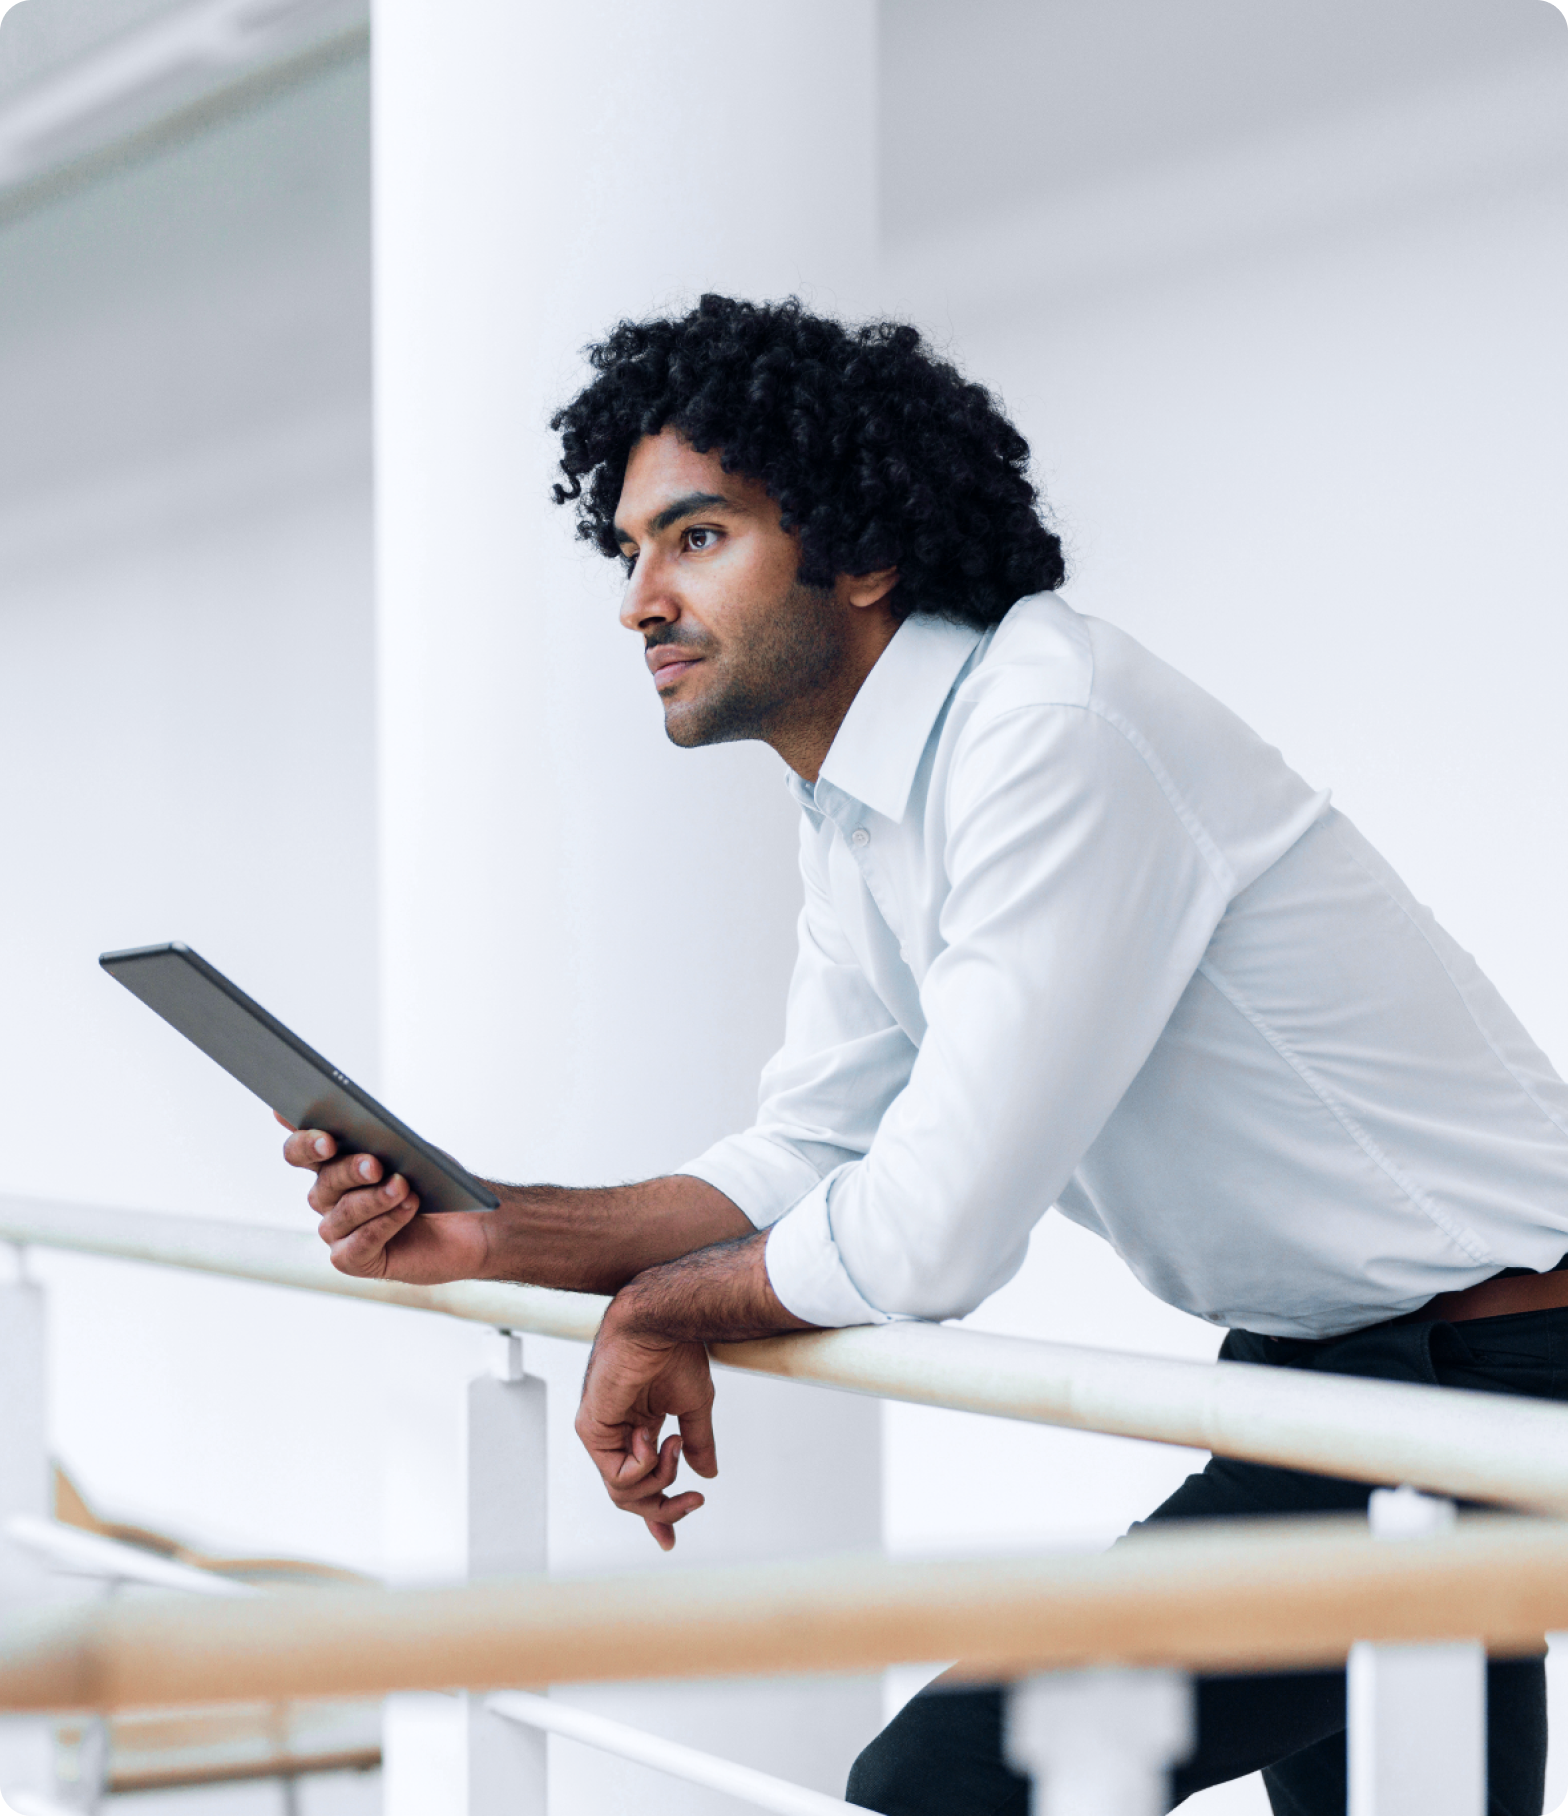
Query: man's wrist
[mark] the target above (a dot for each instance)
(502, 1251)
(716, 1294)
(634, 1313)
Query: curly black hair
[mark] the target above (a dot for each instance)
(879, 453)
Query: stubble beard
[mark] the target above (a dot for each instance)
(780, 669)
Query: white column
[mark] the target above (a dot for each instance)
(1416, 1735)
(1100, 1743)
(587, 933)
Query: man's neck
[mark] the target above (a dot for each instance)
(804, 739)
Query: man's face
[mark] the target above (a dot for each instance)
(737, 646)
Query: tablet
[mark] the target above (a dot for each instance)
(285, 1074)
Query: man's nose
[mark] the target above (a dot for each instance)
(649, 600)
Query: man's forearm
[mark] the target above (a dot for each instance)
(595, 1239)
(717, 1295)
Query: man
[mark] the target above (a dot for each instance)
(1072, 934)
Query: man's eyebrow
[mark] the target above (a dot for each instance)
(686, 506)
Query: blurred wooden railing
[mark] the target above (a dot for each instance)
(1209, 1597)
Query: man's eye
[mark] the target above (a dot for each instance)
(701, 539)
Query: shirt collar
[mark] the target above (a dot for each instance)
(884, 734)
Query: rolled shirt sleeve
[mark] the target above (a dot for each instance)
(1080, 898)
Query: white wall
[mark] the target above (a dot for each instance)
(185, 740)
(1297, 394)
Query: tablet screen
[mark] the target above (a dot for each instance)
(287, 1075)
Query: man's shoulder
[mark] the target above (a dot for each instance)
(1087, 681)
(1041, 654)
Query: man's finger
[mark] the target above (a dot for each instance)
(308, 1147)
(635, 1471)
(350, 1173)
(625, 1461)
(648, 1495)
(363, 1252)
(357, 1208)
(646, 1466)
(621, 1449)
(662, 1524)
(697, 1440)
(659, 1506)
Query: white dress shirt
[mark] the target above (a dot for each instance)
(1073, 934)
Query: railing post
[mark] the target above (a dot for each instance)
(26, 1744)
(1100, 1743)
(81, 1773)
(1416, 1715)
(507, 1763)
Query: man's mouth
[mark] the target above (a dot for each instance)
(669, 663)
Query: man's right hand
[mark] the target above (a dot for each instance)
(585, 1239)
(372, 1226)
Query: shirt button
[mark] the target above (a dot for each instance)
(860, 838)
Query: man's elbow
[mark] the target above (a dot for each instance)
(938, 1283)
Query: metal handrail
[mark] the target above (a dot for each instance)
(760, 1789)
(1210, 1596)
(1474, 1446)
(74, 1552)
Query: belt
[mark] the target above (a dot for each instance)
(1494, 1298)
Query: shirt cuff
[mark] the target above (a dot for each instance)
(761, 1177)
(806, 1271)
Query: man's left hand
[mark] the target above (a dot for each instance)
(650, 1363)
(634, 1383)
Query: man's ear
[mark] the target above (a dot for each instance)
(865, 590)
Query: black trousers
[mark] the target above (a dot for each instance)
(942, 1755)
